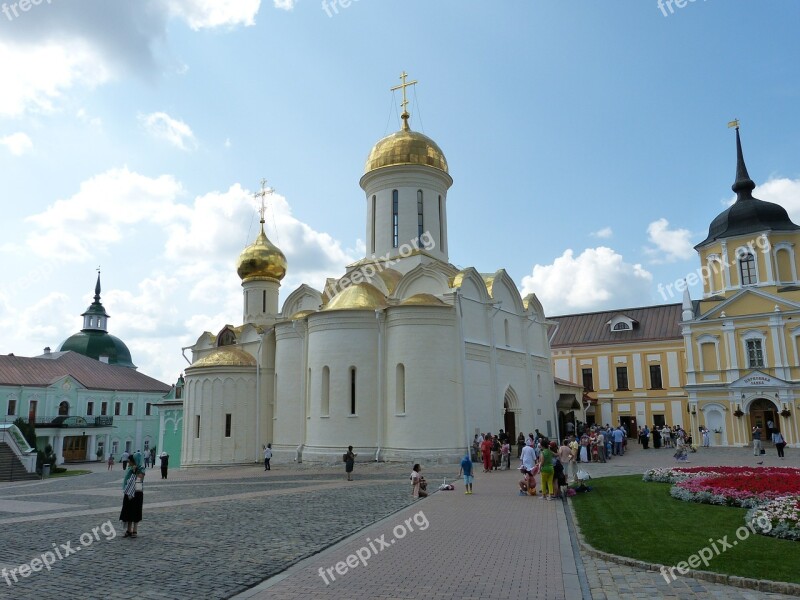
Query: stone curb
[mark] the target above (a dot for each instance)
(761, 585)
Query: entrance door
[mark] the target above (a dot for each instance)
(510, 424)
(763, 413)
(629, 423)
(75, 448)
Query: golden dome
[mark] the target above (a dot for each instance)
(390, 277)
(361, 296)
(301, 314)
(225, 356)
(422, 300)
(261, 259)
(406, 147)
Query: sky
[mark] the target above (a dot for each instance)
(588, 144)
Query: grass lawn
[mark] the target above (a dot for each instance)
(70, 473)
(628, 517)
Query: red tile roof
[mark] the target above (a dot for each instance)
(92, 374)
(654, 323)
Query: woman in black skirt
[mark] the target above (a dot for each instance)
(132, 495)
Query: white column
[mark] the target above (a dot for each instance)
(58, 449)
(90, 450)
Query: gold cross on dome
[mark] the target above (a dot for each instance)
(404, 103)
(262, 194)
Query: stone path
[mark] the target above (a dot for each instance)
(240, 532)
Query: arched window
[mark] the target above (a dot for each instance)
(374, 217)
(352, 390)
(441, 224)
(420, 218)
(63, 409)
(325, 404)
(395, 219)
(263, 301)
(400, 400)
(747, 269)
(621, 326)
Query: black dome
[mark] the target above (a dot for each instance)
(747, 214)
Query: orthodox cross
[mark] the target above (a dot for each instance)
(404, 103)
(262, 195)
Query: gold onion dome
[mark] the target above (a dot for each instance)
(361, 296)
(225, 356)
(406, 147)
(261, 259)
(422, 300)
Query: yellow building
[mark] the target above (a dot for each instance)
(742, 338)
(630, 363)
(729, 361)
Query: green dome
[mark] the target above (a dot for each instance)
(95, 343)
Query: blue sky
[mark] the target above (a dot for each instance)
(587, 142)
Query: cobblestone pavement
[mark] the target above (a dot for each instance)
(219, 532)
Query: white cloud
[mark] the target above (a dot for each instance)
(604, 233)
(596, 279)
(84, 117)
(205, 14)
(780, 190)
(36, 75)
(186, 249)
(285, 4)
(17, 143)
(670, 244)
(174, 131)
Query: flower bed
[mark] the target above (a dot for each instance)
(783, 513)
(676, 474)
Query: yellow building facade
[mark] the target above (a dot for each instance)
(630, 363)
(729, 361)
(742, 339)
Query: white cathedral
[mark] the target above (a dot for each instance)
(405, 357)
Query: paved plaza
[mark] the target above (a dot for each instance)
(245, 533)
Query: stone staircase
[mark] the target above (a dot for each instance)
(11, 469)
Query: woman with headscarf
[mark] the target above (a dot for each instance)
(133, 495)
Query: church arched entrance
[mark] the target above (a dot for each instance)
(764, 414)
(510, 414)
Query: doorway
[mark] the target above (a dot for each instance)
(75, 448)
(629, 423)
(763, 414)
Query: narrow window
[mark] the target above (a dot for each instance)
(374, 217)
(130, 409)
(655, 377)
(400, 401)
(148, 408)
(622, 378)
(32, 411)
(104, 409)
(755, 354)
(89, 409)
(12, 408)
(588, 380)
(114, 447)
(420, 218)
(197, 426)
(352, 390)
(116, 409)
(325, 404)
(747, 268)
(441, 224)
(395, 219)
(146, 445)
(264, 301)
(228, 425)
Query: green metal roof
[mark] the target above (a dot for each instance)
(94, 344)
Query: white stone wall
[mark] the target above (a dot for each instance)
(289, 421)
